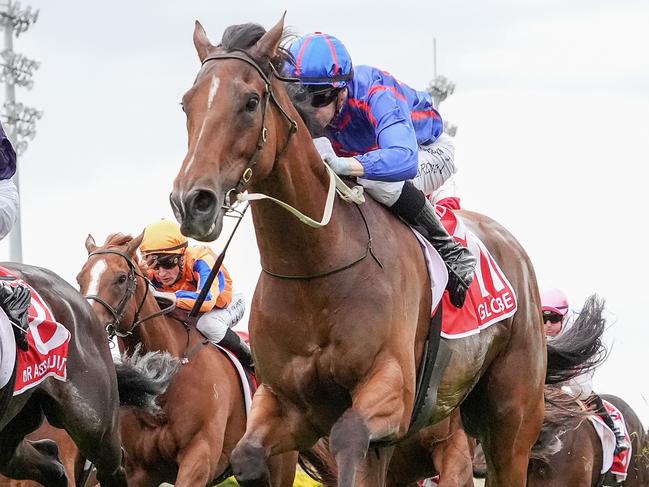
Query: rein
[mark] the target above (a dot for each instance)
(112, 329)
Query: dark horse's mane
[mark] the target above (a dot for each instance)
(244, 37)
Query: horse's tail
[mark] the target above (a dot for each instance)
(142, 377)
(580, 348)
(562, 413)
(319, 464)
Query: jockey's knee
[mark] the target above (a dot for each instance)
(386, 193)
(213, 324)
(436, 165)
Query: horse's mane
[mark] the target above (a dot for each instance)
(562, 413)
(245, 36)
(117, 239)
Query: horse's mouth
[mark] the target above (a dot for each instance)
(201, 230)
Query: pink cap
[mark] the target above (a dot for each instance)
(554, 300)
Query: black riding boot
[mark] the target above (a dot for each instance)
(237, 346)
(15, 301)
(620, 440)
(419, 213)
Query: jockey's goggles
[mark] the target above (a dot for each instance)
(321, 97)
(166, 261)
(552, 317)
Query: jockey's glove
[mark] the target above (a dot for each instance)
(343, 166)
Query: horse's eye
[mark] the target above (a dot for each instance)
(121, 279)
(252, 103)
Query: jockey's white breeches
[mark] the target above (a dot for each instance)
(215, 323)
(580, 387)
(436, 166)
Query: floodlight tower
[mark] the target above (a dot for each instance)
(440, 88)
(20, 120)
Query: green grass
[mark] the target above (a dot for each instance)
(301, 480)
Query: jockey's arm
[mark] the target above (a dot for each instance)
(201, 269)
(9, 206)
(396, 157)
(9, 199)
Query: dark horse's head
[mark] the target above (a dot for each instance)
(227, 110)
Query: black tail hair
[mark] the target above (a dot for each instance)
(142, 377)
(579, 349)
(562, 413)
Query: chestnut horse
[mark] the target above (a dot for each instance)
(579, 461)
(204, 408)
(86, 405)
(337, 338)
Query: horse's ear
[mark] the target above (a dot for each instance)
(134, 244)
(269, 43)
(201, 42)
(91, 246)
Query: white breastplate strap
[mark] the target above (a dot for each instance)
(354, 194)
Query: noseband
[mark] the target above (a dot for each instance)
(118, 312)
(268, 95)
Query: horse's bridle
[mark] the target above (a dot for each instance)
(268, 95)
(112, 329)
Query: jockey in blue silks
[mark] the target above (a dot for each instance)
(386, 134)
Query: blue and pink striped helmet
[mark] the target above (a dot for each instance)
(321, 59)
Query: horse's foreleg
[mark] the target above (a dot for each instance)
(197, 461)
(377, 412)
(33, 460)
(453, 456)
(271, 429)
(95, 433)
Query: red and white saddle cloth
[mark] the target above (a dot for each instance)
(618, 464)
(491, 297)
(48, 344)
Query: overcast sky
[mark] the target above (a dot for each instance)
(551, 103)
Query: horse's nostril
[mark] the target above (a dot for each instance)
(202, 201)
(176, 206)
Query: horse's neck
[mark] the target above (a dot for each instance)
(300, 179)
(159, 333)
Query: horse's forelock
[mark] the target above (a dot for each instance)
(245, 36)
(117, 239)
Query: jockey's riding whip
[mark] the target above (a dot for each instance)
(215, 270)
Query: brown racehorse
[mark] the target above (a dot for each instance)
(204, 405)
(579, 461)
(86, 405)
(337, 346)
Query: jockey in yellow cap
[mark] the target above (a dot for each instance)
(175, 266)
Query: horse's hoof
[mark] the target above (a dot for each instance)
(249, 465)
